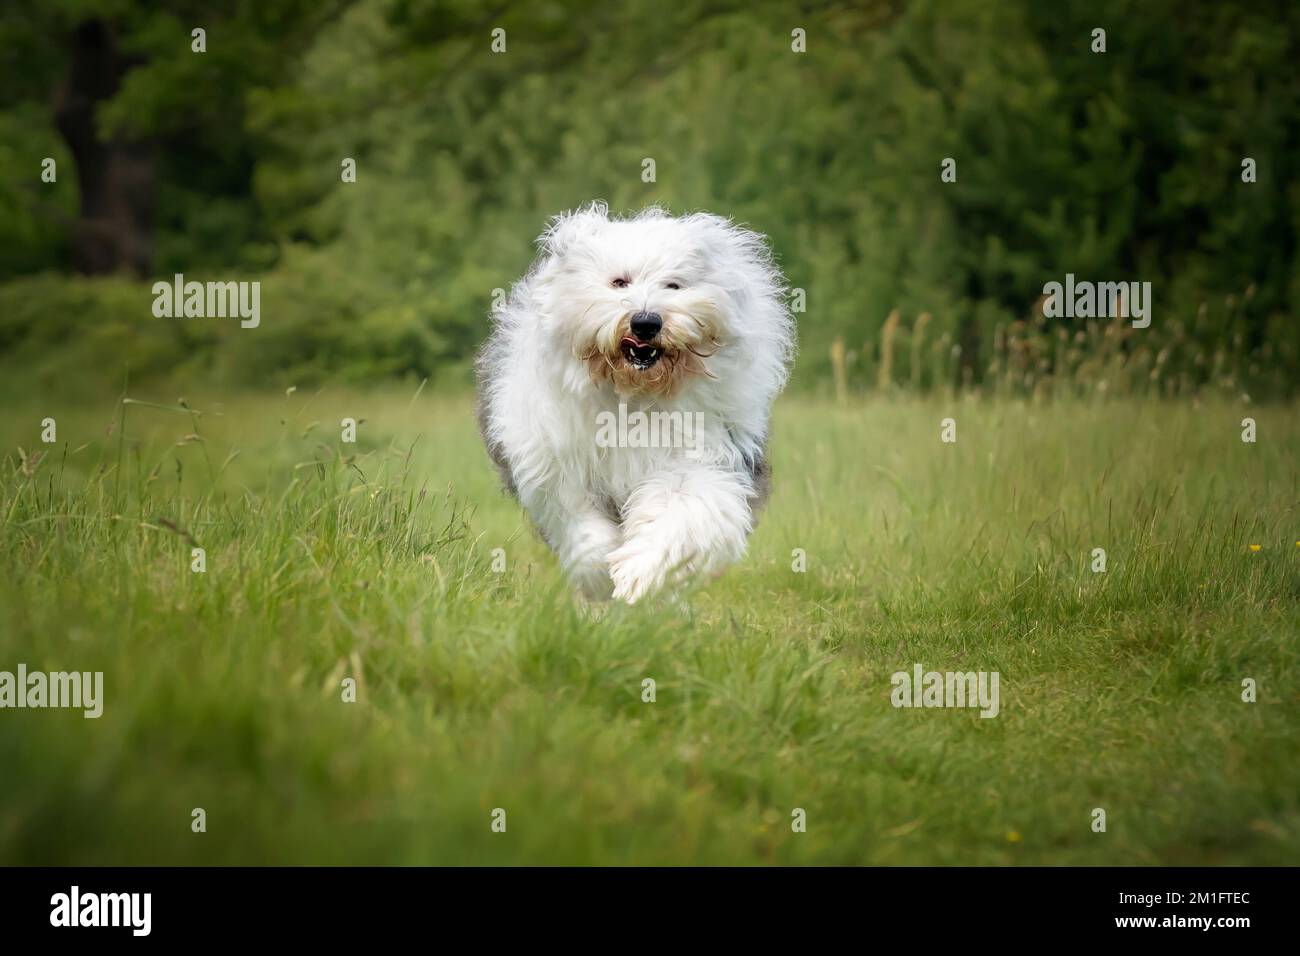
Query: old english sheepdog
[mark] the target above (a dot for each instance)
(653, 318)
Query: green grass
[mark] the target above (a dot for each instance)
(480, 690)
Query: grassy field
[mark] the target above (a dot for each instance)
(480, 689)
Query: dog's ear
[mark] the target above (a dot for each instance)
(570, 227)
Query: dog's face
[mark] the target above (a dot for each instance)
(645, 303)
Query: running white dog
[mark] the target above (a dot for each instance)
(678, 316)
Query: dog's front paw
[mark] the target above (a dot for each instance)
(637, 571)
(584, 549)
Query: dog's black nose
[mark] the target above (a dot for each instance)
(646, 325)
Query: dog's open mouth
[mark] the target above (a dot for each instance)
(640, 354)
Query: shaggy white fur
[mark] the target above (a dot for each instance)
(660, 314)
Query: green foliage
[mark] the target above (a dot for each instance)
(34, 216)
(1123, 165)
(101, 328)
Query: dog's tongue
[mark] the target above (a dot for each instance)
(641, 354)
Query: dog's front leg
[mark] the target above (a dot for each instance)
(582, 536)
(688, 520)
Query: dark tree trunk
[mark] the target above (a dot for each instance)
(114, 229)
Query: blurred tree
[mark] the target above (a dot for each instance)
(142, 104)
(1122, 165)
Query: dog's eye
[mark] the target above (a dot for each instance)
(673, 285)
(620, 283)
